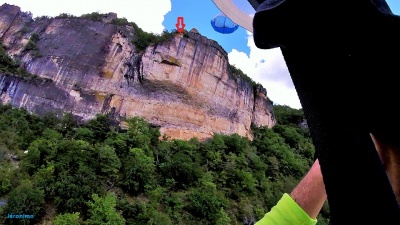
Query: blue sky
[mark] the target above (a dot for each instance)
(198, 14)
(263, 66)
(395, 6)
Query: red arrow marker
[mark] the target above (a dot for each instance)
(180, 25)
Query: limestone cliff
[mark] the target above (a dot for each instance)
(87, 67)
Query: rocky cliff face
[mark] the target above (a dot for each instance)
(88, 67)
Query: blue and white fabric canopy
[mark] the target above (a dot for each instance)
(239, 12)
(223, 24)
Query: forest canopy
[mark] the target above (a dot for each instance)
(65, 172)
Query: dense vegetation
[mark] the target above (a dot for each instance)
(32, 45)
(142, 38)
(97, 173)
(238, 73)
(11, 67)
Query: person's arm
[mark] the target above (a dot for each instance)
(302, 205)
(310, 193)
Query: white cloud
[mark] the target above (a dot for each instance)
(268, 68)
(147, 14)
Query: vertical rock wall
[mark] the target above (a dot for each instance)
(182, 85)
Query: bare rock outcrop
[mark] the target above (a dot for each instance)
(182, 85)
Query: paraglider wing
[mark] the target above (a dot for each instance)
(228, 8)
(223, 24)
(255, 3)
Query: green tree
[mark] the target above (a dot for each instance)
(238, 73)
(223, 218)
(31, 45)
(288, 116)
(119, 141)
(290, 134)
(144, 39)
(67, 125)
(102, 211)
(25, 199)
(76, 179)
(236, 143)
(42, 151)
(139, 134)
(137, 172)
(85, 134)
(44, 179)
(130, 209)
(206, 204)
(50, 120)
(94, 16)
(6, 171)
(64, 16)
(108, 162)
(100, 126)
(152, 216)
(67, 219)
(182, 168)
(271, 144)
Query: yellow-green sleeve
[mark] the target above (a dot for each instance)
(286, 212)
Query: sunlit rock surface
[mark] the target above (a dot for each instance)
(87, 67)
